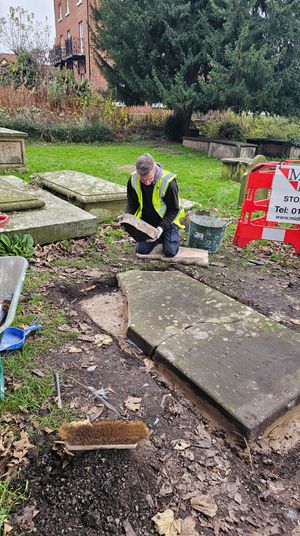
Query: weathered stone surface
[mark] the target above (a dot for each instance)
(233, 168)
(12, 149)
(14, 198)
(249, 369)
(231, 149)
(161, 304)
(196, 143)
(243, 363)
(137, 228)
(58, 220)
(109, 311)
(197, 257)
(102, 198)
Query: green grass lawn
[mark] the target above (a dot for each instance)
(199, 177)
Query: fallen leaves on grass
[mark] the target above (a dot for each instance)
(133, 403)
(295, 321)
(188, 527)
(13, 451)
(7, 528)
(24, 520)
(74, 350)
(166, 524)
(102, 340)
(149, 364)
(95, 412)
(203, 504)
(38, 372)
(181, 445)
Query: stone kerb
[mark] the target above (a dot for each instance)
(222, 148)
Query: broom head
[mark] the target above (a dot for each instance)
(84, 435)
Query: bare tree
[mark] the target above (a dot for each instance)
(21, 32)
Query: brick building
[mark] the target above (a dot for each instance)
(73, 48)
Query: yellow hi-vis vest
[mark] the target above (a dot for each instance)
(159, 191)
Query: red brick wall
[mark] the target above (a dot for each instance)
(79, 11)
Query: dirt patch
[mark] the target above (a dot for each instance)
(101, 492)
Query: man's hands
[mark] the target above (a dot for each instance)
(159, 233)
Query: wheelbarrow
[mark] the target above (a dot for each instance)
(4, 219)
(12, 275)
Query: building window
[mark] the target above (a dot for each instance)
(81, 37)
(82, 77)
(69, 34)
(59, 12)
(79, 2)
(67, 7)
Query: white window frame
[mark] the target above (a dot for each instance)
(79, 3)
(80, 30)
(59, 13)
(67, 7)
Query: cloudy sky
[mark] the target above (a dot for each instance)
(40, 8)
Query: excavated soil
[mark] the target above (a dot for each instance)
(255, 487)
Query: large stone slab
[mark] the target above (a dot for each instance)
(197, 257)
(15, 198)
(58, 220)
(161, 304)
(99, 197)
(245, 364)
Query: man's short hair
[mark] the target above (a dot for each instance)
(144, 164)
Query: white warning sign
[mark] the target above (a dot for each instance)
(284, 203)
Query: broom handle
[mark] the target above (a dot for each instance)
(96, 395)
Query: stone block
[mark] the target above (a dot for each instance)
(104, 199)
(196, 143)
(137, 228)
(12, 150)
(189, 256)
(231, 149)
(58, 220)
(233, 168)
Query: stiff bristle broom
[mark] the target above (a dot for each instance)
(84, 435)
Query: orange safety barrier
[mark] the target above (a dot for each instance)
(282, 205)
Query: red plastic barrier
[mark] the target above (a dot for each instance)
(250, 227)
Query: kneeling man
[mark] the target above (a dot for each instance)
(152, 195)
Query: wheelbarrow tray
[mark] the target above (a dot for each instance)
(12, 275)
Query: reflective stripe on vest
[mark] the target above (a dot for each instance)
(159, 191)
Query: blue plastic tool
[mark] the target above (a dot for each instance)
(14, 338)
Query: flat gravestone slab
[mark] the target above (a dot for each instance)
(58, 220)
(245, 364)
(197, 257)
(14, 198)
(102, 198)
(161, 304)
(250, 370)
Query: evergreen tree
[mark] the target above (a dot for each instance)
(201, 54)
(154, 51)
(256, 60)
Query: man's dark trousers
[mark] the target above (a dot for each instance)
(169, 239)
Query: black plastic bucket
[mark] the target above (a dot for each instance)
(206, 232)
